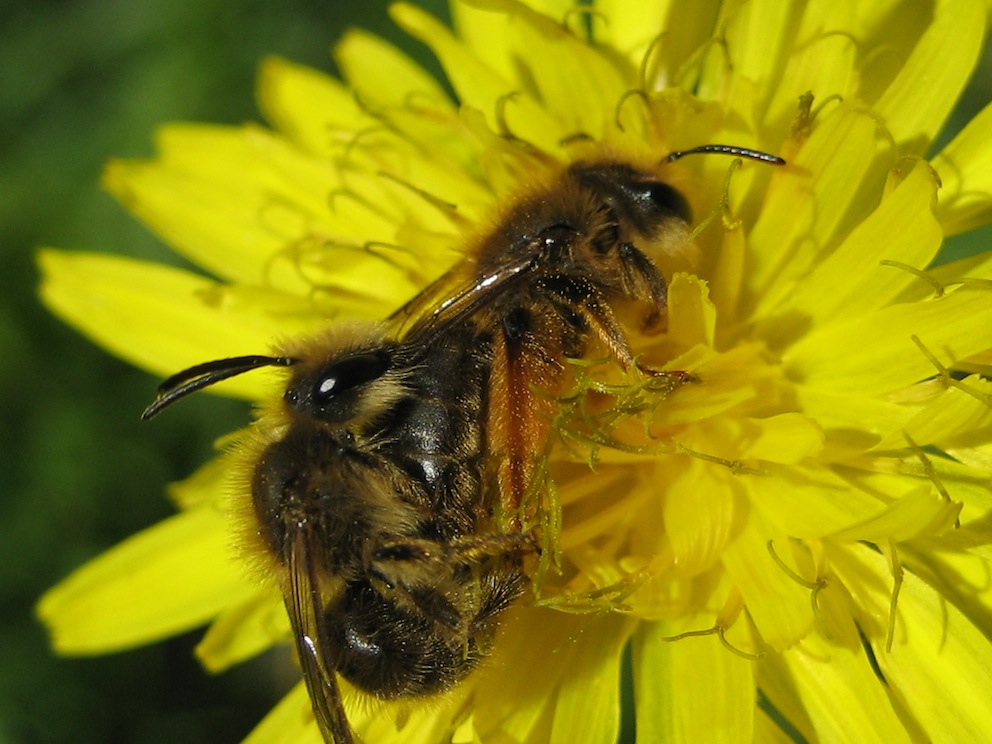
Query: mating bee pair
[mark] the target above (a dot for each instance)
(390, 490)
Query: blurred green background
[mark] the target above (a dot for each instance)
(81, 82)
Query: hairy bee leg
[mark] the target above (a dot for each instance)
(404, 562)
(500, 590)
(424, 569)
(475, 548)
(640, 278)
(581, 295)
(520, 412)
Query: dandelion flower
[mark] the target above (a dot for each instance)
(792, 547)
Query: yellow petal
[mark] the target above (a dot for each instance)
(821, 61)
(807, 205)
(162, 319)
(315, 111)
(917, 101)
(970, 270)
(852, 280)
(977, 456)
(700, 528)
(584, 647)
(956, 417)
(841, 694)
(778, 692)
(485, 33)
(758, 36)
(770, 731)
(631, 27)
(421, 141)
(478, 86)
(808, 501)
(691, 315)
(940, 663)
(243, 631)
(888, 480)
(920, 512)
(382, 74)
(290, 722)
(588, 703)
(965, 168)
(248, 207)
(692, 690)
(786, 438)
(851, 419)
(168, 579)
(875, 353)
(208, 485)
(583, 86)
(726, 280)
(777, 604)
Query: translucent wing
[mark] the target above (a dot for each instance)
(305, 610)
(454, 297)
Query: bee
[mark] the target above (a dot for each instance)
(549, 279)
(370, 496)
(389, 489)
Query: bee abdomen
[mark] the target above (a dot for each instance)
(390, 651)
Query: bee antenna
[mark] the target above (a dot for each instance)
(739, 152)
(203, 375)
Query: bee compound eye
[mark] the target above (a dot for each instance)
(349, 373)
(664, 200)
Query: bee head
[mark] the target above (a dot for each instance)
(344, 387)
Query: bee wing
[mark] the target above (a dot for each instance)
(519, 364)
(305, 610)
(453, 298)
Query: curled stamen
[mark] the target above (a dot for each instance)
(355, 139)
(931, 473)
(812, 585)
(938, 288)
(448, 209)
(642, 71)
(588, 14)
(343, 193)
(815, 587)
(736, 466)
(880, 126)
(722, 209)
(719, 631)
(501, 125)
(695, 59)
(807, 113)
(947, 378)
(618, 109)
(895, 565)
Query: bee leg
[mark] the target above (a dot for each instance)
(472, 549)
(641, 279)
(499, 590)
(404, 562)
(581, 296)
(419, 569)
